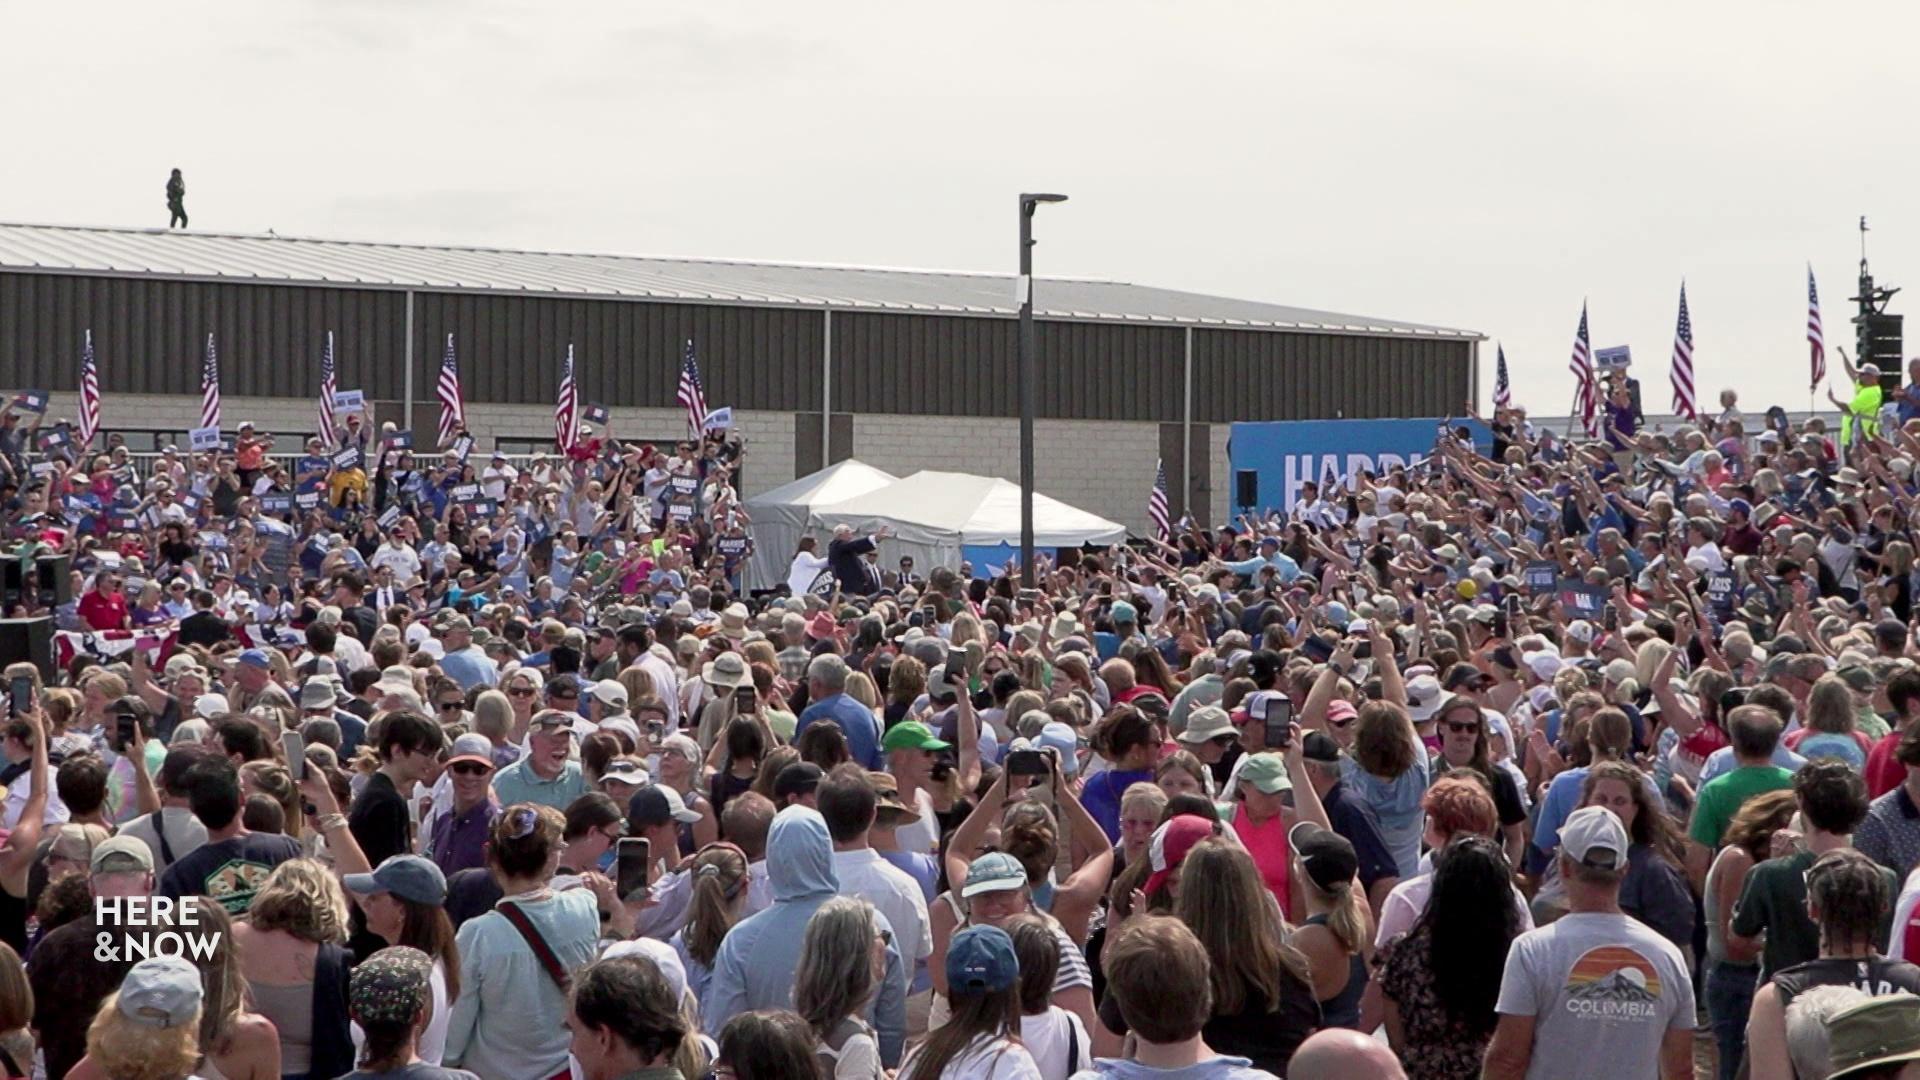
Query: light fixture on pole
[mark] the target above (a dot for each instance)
(1027, 204)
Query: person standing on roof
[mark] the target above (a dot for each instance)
(176, 200)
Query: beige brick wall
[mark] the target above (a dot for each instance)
(1104, 467)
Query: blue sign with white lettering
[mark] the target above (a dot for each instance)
(1282, 456)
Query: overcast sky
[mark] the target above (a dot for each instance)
(1483, 165)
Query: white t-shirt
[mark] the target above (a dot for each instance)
(1603, 990)
(1409, 898)
(1904, 918)
(999, 1058)
(1050, 1036)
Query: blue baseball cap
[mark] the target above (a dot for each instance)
(408, 877)
(1063, 740)
(256, 658)
(1741, 507)
(980, 959)
(1124, 612)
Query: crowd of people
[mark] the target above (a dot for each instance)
(1531, 759)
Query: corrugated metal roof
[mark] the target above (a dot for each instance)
(203, 256)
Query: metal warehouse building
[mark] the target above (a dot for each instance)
(904, 369)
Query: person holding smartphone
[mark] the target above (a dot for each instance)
(1261, 817)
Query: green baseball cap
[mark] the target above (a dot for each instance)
(1268, 772)
(1884, 1031)
(912, 735)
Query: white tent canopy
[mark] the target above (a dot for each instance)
(934, 515)
(780, 516)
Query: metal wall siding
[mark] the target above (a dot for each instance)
(625, 353)
(1260, 375)
(150, 335)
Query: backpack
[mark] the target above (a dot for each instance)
(828, 1052)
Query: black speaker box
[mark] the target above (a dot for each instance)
(29, 640)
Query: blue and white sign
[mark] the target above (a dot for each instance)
(1284, 455)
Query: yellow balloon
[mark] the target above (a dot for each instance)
(1467, 589)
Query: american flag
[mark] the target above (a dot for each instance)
(1683, 400)
(453, 408)
(210, 388)
(566, 409)
(1157, 504)
(1502, 389)
(691, 394)
(1816, 341)
(1586, 395)
(327, 387)
(89, 394)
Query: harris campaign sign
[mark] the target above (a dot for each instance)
(1273, 459)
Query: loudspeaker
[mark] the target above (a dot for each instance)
(55, 579)
(1246, 488)
(29, 640)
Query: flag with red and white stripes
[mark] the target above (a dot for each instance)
(1157, 504)
(210, 388)
(691, 394)
(328, 385)
(1684, 403)
(1816, 340)
(566, 409)
(1586, 393)
(89, 394)
(1502, 389)
(453, 407)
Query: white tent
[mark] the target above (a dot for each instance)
(780, 515)
(935, 515)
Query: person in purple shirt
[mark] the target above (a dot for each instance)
(827, 686)
(459, 838)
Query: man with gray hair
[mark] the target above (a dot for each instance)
(827, 690)
(845, 555)
(1807, 1027)
(793, 659)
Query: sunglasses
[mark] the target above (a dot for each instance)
(1223, 740)
(520, 691)
(469, 768)
(452, 706)
(1462, 729)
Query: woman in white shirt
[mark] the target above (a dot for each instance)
(842, 962)
(1054, 1037)
(981, 1039)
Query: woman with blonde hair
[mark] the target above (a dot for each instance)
(1337, 935)
(149, 1028)
(843, 959)
(291, 954)
(238, 1044)
(270, 778)
(1180, 773)
(493, 717)
(861, 689)
(636, 681)
(1830, 730)
(16, 1015)
(721, 879)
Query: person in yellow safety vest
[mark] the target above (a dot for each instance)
(1864, 409)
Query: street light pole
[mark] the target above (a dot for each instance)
(1027, 205)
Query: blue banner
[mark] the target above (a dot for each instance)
(1284, 455)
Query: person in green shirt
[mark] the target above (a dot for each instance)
(1832, 799)
(1754, 731)
(1864, 409)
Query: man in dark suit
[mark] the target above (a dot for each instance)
(203, 627)
(846, 558)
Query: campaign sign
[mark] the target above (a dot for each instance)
(595, 414)
(482, 508)
(1617, 358)
(720, 419)
(307, 500)
(277, 502)
(1541, 578)
(55, 439)
(390, 516)
(189, 500)
(121, 521)
(1284, 455)
(400, 440)
(463, 446)
(732, 547)
(33, 401)
(347, 459)
(1720, 593)
(684, 486)
(43, 469)
(463, 493)
(1581, 600)
(347, 401)
(680, 510)
(204, 438)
